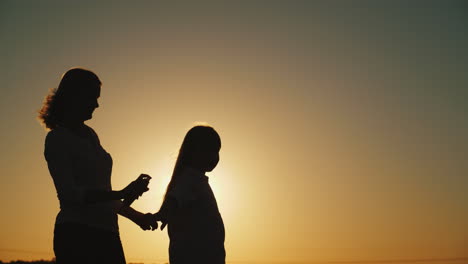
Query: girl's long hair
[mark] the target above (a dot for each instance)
(197, 138)
(74, 81)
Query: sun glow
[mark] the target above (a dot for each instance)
(221, 181)
(161, 173)
(334, 140)
(225, 188)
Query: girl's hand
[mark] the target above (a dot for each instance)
(147, 222)
(159, 217)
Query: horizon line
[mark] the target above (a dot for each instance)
(375, 261)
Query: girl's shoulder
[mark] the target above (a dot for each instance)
(191, 178)
(191, 173)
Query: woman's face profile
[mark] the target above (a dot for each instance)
(85, 103)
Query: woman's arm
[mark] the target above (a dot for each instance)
(135, 189)
(60, 163)
(145, 221)
(94, 196)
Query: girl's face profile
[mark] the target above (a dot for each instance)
(212, 159)
(205, 160)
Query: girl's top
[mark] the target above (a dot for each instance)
(77, 165)
(196, 229)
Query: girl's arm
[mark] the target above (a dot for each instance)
(178, 197)
(168, 207)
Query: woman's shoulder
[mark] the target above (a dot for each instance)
(60, 132)
(57, 136)
(93, 134)
(56, 133)
(57, 142)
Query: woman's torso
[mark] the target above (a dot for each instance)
(88, 167)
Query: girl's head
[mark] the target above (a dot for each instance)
(74, 100)
(200, 149)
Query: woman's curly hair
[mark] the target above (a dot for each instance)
(71, 84)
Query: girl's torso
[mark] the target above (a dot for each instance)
(196, 229)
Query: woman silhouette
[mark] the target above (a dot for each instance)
(86, 228)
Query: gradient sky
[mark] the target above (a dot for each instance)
(344, 123)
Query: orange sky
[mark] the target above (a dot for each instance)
(343, 127)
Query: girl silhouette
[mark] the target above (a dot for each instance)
(195, 226)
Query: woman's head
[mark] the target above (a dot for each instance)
(200, 148)
(74, 101)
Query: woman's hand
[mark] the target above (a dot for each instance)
(136, 188)
(144, 221)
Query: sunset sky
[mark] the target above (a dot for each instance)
(344, 124)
